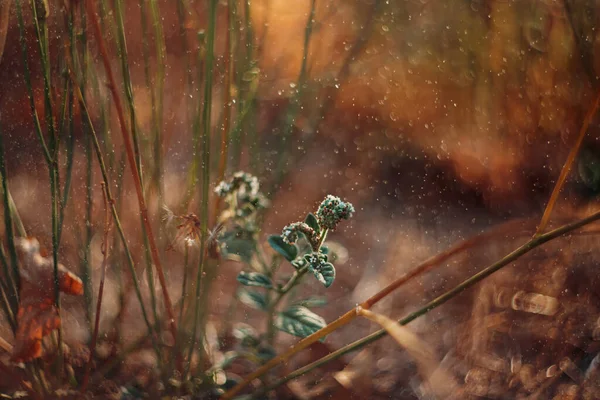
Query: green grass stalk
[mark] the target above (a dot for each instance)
(89, 232)
(294, 105)
(206, 133)
(157, 143)
(105, 250)
(27, 77)
(227, 106)
(158, 96)
(123, 57)
(128, 256)
(132, 163)
(13, 278)
(40, 12)
(8, 306)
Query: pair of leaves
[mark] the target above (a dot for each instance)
(297, 320)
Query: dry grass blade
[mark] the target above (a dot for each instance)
(443, 383)
(350, 315)
(4, 345)
(567, 166)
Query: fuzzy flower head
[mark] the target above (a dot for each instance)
(242, 192)
(241, 182)
(332, 210)
(290, 233)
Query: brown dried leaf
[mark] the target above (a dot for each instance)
(38, 315)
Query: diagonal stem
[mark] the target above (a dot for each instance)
(567, 166)
(509, 258)
(350, 315)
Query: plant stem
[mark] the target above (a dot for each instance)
(111, 202)
(50, 151)
(132, 163)
(12, 277)
(123, 57)
(105, 249)
(157, 97)
(294, 105)
(293, 282)
(227, 104)
(567, 166)
(206, 112)
(27, 77)
(351, 314)
(509, 258)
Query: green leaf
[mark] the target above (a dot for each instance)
(312, 221)
(288, 251)
(299, 321)
(325, 273)
(312, 301)
(238, 248)
(254, 279)
(253, 299)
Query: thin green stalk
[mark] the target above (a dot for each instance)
(246, 84)
(150, 277)
(7, 308)
(67, 115)
(89, 232)
(197, 127)
(13, 278)
(206, 112)
(227, 105)
(468, 283)
(123, 57)
(27, 76)
(181, 12)
(40, 12)
(156, 131)
(104, 250)
(158, 95)
(132, 163)
(294, 105)
(184, 287)
(128, 256)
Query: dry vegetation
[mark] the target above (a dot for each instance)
(446, 124)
